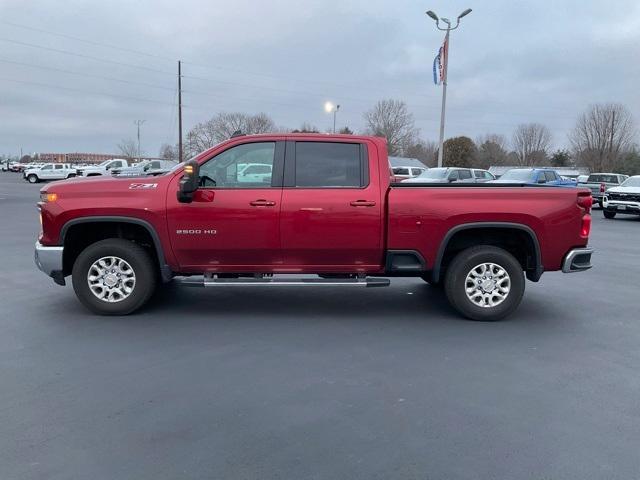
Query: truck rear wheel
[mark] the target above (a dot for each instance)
(114, 277)
(484, 283)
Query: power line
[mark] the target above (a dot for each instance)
(138, 99)
(132, 82)
(90, 42)
(90, 57)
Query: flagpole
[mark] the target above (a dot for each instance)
(444, 97)
(445, 72)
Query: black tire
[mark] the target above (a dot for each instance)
(33, 178)
(71, 175)
(461, 266)
(137, 257)
(609, 214)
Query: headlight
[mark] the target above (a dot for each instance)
(48, 197)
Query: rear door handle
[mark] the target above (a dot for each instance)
(262, 203)
(363, 203)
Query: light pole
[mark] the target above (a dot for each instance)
(445, 70)
(330, 107)
(138, 123)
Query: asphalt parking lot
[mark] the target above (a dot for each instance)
(319, 384)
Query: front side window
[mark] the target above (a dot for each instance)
(464, 174)
(541, 178)
(401, 171)
(326, 164)
(417, 171)
(47, 167)
(244, 166)
(551, 176)
(453, 176)
(59, 167)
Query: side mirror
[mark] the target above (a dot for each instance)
(189, 182)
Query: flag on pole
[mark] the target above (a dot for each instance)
(439, 73)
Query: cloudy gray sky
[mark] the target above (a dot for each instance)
(511, 62)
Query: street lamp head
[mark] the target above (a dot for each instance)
(432, 15)
(465, 13)
(328, 107)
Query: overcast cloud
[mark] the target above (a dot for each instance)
(510, 62)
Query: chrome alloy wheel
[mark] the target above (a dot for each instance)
(487, 285)
(111, 279)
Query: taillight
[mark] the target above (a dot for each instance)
(586, 226)
(585, 201)
(602, 188)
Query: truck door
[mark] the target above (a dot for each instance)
(232, 224)
(331, 216)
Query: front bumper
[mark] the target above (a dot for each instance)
(577, 260)
(49, 261)
(621, 206)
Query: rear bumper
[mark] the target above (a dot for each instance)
(577, 260)
(49, 261)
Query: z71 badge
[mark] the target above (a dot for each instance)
(134, 186)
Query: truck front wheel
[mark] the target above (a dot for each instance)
(114, 277)
(33, 178)
(484, 283)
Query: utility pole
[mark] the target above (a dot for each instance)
(445, 71)
(335, 112)
(179, 111)
(138, 123)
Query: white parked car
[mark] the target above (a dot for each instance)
(623, 199)
(402, 173)
(146, 167)
(49, 171)
(255, 173)
(102, 168)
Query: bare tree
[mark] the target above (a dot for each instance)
(425, 151)
(128, 148)
(168, 152)
(602, 136)
(492, 150)
(207, 134)
(306, 128)
(531, 143)
(391, 119)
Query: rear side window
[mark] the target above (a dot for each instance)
(325, 164)
(416, 171)
(464, 174)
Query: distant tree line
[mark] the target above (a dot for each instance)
(603, 139)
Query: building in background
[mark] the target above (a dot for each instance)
(75, 157)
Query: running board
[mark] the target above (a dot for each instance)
(210, 281)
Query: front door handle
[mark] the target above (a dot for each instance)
(262, 203)
(363, 203)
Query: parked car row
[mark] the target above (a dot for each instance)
(451, 174)
(39, 172)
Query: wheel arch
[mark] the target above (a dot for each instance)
(533, 272)
(158, 252)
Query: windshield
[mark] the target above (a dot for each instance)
(518, 175)
(437, 173)
(631, 182)
(599, 177)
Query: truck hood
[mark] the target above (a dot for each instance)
(101, 185)
(634, 190)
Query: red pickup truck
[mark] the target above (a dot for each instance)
(313, 204)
